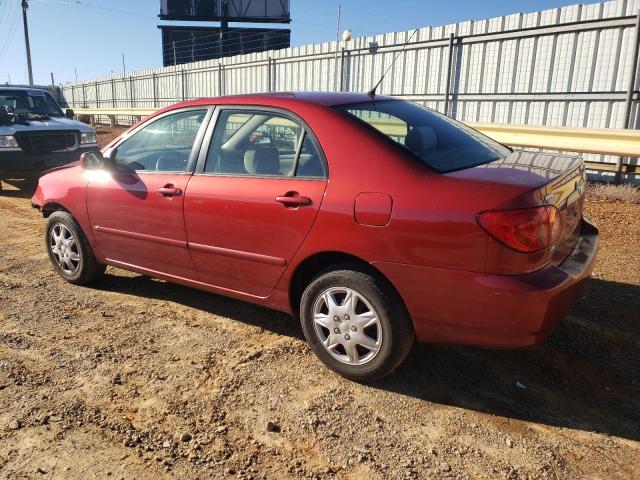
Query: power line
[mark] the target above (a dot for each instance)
(10, 33)
(93, 5)
(3, 10)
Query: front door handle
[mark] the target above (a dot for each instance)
(293, 199)
(169, 191)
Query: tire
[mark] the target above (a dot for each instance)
(358, 347)
(69, 250)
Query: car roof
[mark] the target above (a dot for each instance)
(284, 99)
(23, 89)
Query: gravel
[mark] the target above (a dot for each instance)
(108, 381)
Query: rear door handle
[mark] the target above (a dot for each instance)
(169, 191)
(293, 199)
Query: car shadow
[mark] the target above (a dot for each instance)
(21, 188)
(143, 286)
(586, 376)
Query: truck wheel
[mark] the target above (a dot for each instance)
(69, 250)
(356, 324)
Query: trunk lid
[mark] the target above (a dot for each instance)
(559, 180)
(566, 192)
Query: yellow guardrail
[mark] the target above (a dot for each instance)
(607, 141)
(134, 112)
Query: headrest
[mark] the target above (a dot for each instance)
(22, 102)
(263, 160)
(420, 139)
(171, 163)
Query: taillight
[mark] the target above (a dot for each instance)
(526, 230)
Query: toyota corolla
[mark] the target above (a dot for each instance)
(373, 221)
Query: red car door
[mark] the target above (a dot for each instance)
(256, 192)
(136, 210)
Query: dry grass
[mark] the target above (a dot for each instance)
(613, 193)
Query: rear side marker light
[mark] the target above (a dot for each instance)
(526, 230)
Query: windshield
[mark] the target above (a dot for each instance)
(30, 102)
(437, 140)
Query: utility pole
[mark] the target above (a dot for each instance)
(75, 69)
(124, 67)
(224, 23)
(338, 26)
(25, 6)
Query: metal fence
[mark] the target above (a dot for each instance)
(571, 66)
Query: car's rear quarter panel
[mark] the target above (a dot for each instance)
(432, 250)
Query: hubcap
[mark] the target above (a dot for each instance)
(347, 325)
(64, 248)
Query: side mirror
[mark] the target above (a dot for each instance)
(69, 113)
(96, 161)
(91, 160)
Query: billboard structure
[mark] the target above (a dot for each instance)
(193, 44)
(255, 11)
(185, 44)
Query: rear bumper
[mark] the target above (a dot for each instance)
(19, 165)
(452, 306)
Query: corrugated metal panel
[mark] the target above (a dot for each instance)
(546, 68)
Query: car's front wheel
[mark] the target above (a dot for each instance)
(355, 323)
(69, 250)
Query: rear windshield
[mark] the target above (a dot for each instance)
(440, 142)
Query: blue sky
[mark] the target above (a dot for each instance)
(92, 38)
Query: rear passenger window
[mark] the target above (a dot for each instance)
(261, 143)
(310, 163)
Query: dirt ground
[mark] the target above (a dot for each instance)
(136, 378)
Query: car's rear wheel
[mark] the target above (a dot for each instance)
(69, 250)
(355, 323)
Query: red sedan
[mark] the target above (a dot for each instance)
(372, 220)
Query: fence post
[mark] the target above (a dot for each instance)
(155, 89)
(631, 86)
(341, 84)
(84, 97)
(131, 91)
(219, 78)
(112, 118)
(447, 86)
(182, 82)
(268, 74)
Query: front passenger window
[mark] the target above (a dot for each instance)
(164, 145)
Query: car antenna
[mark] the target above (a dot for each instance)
(372, 92)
